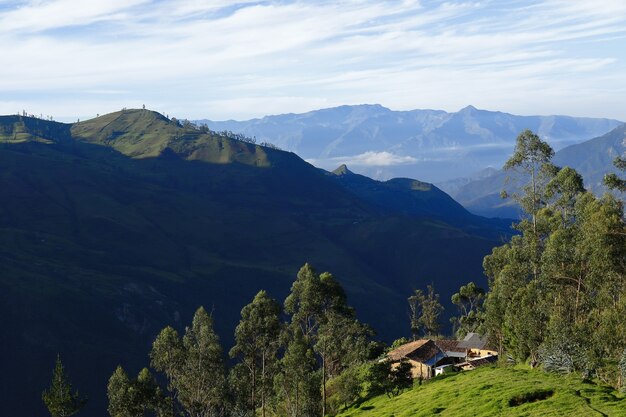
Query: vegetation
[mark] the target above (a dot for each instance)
(60, 399)
(558, 289)
(425, 312)
(497, 391)
(469, 301)
(612, 180)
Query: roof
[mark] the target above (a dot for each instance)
(473, 341)
(475, 363)
(420, 351)
(450, 346)
(402, 351)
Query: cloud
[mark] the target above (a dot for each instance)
(370, 158)
(221, 59)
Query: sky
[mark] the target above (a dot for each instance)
(219, 59)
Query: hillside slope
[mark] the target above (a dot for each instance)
(498, 392)
(112, 228)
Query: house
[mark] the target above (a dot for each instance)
(429, 358)
(423, 355)
(476, 346)
(452, 350)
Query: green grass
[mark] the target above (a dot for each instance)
(493, 391)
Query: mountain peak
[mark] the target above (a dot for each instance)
(468, 109)
(342, 170)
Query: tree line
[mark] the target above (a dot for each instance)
(321, 359)
(557, 289)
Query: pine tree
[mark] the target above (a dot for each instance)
(60, 400)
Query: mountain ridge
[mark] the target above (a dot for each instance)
(592, 159)
(426, 144)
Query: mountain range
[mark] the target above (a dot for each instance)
(431, 145)
(115, 227)
(592, 159)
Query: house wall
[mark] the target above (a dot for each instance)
(418, 370)
(481, 353)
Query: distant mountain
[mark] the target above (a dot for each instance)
(454, 185)
(432, 145)
(114, 227)
(592, 159)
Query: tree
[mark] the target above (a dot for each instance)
(532, 158)
(321, 315)
(558, 289)
(297, 385)
(469, 301)
(425, 311)
(256, 344)
(564, 189)
(194, 366)
(341, 341)
(60, 399)
(133, 398)
(612, 180)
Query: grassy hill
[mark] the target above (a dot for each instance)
(112, 228)
(492, 391)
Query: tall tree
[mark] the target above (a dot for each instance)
(469, 300)
(194, 366)
(256, 345)
(297, 385)
(320, 313)
(425, 312)
(60, 399)
(532, 159)
(341, 341)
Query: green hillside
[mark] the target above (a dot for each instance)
(492, 391)
(112, 228)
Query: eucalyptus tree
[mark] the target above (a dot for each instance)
(425, 312)
(612, 180)
(322, 319)
(193, 365)
(469, 301)
(136, 397)
(257, 340)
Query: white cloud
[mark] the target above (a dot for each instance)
(371, 158)
(221, 59)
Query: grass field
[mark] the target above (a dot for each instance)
(493, 391)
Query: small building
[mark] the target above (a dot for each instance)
(476, 346)
(454, 353)
(423, 355)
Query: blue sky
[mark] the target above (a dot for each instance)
(222, 59)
